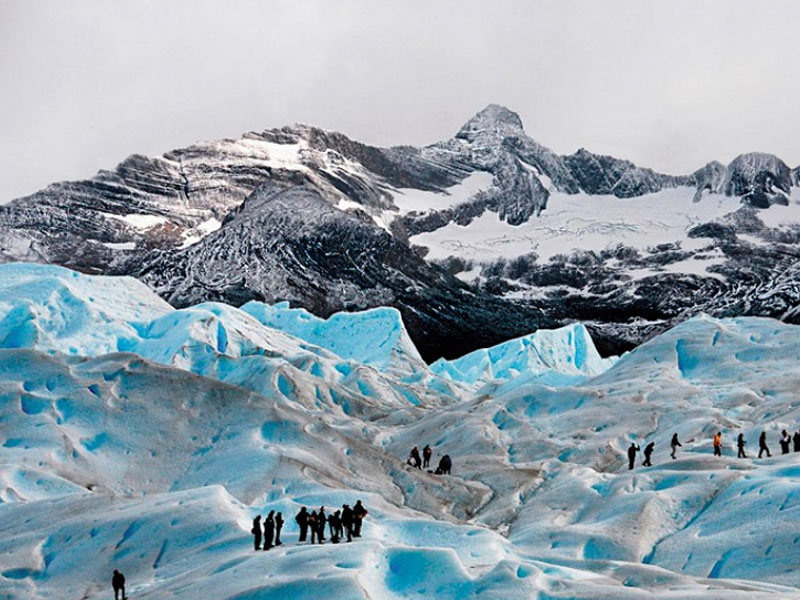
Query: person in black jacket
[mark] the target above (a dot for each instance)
(426, 457)
(796, 440)
(322, 520)
(302, 522)
(740, 443)
(762, 445)
(256, 531)
(347, 521)
(648, 452)
(445, 464)
(632, 450)
(414, 459)
(278, 527)
(335, 524)
(269, 529)
(675, 444)
(118, 583)
(785, 442)
(359, 512)
(313, 526)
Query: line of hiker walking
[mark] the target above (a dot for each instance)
(345, 522)
(424, 462)
(787, 443)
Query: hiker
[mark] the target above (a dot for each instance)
(796, 440)
(740, 443)
(785, 442)
(426, 457)
(302, 522)
(278, 527)
(312, 525)
(675, 444)
(335, 524)
(359, 512)
(413, 459)
(445, 464)
(762, 445)
(718, 444)
(322, 520)
(269, 529)
(256, 531)
(347, 521)
(632, 450)
(648, 452)
(118, 583)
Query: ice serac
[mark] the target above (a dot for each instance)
(375, 337)
(563, 356)
(54, 310)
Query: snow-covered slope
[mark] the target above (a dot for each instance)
(116, 461)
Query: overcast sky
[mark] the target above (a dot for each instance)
(670, 85)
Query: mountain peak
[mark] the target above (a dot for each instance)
(494, 121)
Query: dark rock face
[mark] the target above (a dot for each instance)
(298, 214)
(759, 179)
(608, 175)
(289, 243)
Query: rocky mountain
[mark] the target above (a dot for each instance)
(477, 239)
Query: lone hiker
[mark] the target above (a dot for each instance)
(648, 452)
(359, 512)
(256, 531)
(278, 527)
(785, 442)
(740, 443)
(718, 444)
(762, 445)
(632, 450)
(302, 521)
(426, 457)
(675, 444)
(118, 583)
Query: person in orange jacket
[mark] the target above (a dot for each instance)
(718, 444)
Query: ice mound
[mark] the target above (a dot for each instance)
(559, 357)
(375, 337)
(376, 367)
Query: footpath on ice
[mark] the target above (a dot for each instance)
(143, 438)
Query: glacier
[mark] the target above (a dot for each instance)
(145, 438)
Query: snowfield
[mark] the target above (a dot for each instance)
(144, 438)
(587, 222)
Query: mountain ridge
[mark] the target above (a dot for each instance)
(203, 223)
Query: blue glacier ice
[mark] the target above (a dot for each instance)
(140, 437)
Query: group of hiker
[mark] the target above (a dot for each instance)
(341, 523)
(272, 526)
(787, 442)
(424, 461)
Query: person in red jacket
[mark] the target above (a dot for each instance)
(718, 444)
